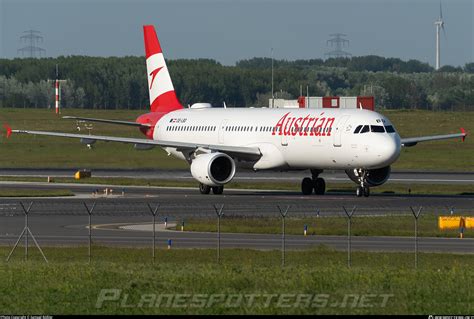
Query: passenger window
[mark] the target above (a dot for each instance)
(365, 129)
(377, 129)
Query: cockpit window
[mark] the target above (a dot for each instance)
(389, 129)
(365, 129)
(377, 129)
(357, 130)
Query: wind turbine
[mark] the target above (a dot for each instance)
(439, 25)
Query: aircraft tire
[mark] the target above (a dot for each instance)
(204, 189)
(359, 191)
(319, 186)
(366, 192)
(307, 186)
(218, 190)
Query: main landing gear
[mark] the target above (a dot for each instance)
(363, 189)
(205, 189)
(314, 183)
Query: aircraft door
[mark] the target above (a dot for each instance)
(284, 139)
(221, 131)
(339, 129)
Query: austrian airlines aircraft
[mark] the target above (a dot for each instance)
(216, 141)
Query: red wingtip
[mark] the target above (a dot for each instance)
(463, 131)
(9, 129)
(152, 45)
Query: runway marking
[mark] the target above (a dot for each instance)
(128, 227)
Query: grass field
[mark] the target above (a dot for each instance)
(401, 225)
(68, 285)
(31, 151)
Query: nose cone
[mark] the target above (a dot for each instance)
(388, 149)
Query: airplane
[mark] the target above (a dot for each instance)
(217, 141)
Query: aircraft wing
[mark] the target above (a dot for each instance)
(412, 141)
(88, 119)
(237, 151)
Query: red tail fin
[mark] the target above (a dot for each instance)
(162, 95)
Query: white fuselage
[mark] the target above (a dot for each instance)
(288, 138)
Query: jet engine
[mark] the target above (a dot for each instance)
(373, 177)
(213, 169)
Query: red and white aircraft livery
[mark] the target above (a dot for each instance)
(215, 141)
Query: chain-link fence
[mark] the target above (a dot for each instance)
(163, 226)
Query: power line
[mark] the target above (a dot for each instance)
(338, 41)
(32, 38)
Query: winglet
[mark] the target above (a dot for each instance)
(8, 128)
(463, 131)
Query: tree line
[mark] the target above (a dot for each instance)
(120, 82)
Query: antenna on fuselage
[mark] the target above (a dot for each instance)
(360, 106)
(225, 106)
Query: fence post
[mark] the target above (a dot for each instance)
(283, 217)
(26, 227)
(25, 232)
(219, 213)
(26, 211)
(89, 212)
(416, 215)
(349, 239)
(153, 212)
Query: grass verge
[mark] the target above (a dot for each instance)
(390, 225)
(35, 192)
(68, 285)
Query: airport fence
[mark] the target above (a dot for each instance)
(272, 226)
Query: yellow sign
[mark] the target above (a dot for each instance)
(455, 222)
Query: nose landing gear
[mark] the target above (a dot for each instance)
(363, 189)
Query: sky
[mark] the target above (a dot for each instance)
(229, 31)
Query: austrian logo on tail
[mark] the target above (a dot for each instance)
(153, 75)
(162, 95)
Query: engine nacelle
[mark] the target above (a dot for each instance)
(213, 169)
(374, 177)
